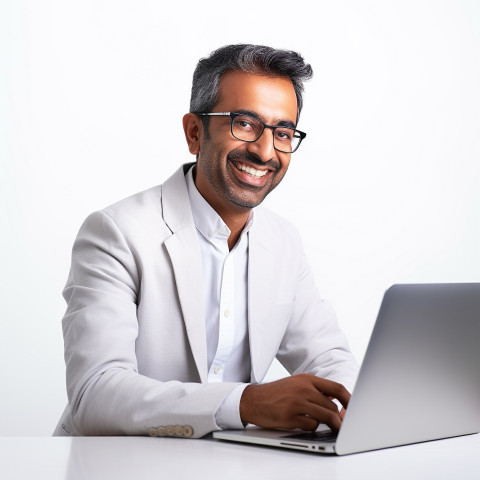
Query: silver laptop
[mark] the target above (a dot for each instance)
(419, 380)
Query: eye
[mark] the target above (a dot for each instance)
(284, 135)
(245, 124)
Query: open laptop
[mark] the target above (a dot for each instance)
(419, 380)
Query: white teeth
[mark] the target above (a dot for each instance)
(252, 171)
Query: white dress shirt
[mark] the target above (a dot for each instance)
(225, 275)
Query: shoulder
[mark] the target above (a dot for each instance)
(134, 220)
(143, 205)
(273, 227)
(145, 213)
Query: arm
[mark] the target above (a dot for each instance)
(312, 344)
(107, 394)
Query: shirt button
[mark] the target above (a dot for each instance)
(226, 313)
(217, 370)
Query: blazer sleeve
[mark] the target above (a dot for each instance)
(313, 342)
(107, 395)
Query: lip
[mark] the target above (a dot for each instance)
(247, 179)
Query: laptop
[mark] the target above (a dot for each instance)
(419, 380)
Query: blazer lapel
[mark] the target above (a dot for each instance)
(184, 252)
(261, 302)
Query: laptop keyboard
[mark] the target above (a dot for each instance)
(322, 436)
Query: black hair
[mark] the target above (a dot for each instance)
(247, 58)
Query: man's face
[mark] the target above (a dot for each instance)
(233, 175)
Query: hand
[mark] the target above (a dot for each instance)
(301, 401)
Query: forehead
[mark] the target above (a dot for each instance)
(272, 98)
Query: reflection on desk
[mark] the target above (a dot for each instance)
(119, 458)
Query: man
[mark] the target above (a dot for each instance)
(180, 297)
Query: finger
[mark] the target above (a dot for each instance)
(305, 422)
(332, 389)
(324, 415)
(334, 423)
(322, 400)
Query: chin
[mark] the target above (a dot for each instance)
(247, 203)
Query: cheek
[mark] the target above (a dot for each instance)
(285, 163)
(212, 150)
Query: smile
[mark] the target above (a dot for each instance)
(251, 171)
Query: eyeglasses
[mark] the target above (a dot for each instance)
(249, 129)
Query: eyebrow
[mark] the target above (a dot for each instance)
(281, 123)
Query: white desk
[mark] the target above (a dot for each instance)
(118, 458)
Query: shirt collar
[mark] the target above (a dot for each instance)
(206, 219)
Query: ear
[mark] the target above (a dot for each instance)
(193, 128)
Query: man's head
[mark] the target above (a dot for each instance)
(236, 171)
(258, 59)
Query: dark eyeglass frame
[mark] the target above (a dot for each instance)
(233, 115)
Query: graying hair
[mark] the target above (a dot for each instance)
(247, 58)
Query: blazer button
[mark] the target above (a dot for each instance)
(152, 432)
(179, 431)
(188, 431)
(170, 431)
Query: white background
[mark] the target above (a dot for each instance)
(384, 189)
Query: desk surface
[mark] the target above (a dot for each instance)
(119, 458)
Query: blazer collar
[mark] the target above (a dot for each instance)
(262, 299)
(177, 212)
(184, 251)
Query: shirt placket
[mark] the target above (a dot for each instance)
(226, 335)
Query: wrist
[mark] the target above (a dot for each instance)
(247, 403)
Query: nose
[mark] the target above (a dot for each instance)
(263, 147)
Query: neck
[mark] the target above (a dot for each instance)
(235, 217)
(236, 223)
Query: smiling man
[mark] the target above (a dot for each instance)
(240, 162)
(180, 297)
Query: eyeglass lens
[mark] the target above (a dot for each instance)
(249, 129)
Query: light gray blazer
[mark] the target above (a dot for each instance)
(134, 329)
